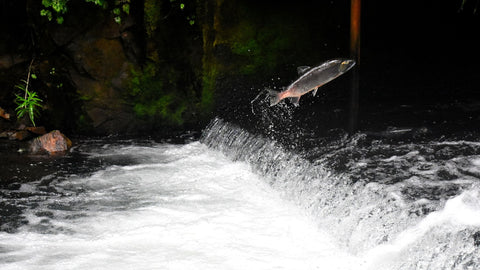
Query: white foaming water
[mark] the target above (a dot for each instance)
(191, 207)
(459, 213)
(419, 211)
(182, 207)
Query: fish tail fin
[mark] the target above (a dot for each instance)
(274, 97)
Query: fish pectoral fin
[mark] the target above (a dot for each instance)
(303, 69)
(315, 91)
(295, 101)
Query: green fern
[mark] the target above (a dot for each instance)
(29, 104)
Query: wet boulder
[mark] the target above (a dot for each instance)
(51, 143)
(22, 133)
(36, 130)
(19, 135)
(4, 114)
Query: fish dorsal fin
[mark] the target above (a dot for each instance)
(303, 69)
(315, 91)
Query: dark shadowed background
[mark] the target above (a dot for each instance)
(166, 68)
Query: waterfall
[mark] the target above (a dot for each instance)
(400, 206)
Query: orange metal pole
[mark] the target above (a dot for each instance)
(355, 29)
(355, 8)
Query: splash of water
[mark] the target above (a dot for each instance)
(381, 220)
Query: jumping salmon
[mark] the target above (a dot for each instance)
(311, 80)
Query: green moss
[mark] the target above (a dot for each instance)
(155, 107)
(177, 116)
(84, 124)
(209, 79)
(152, 15)
(259, 42)
(153, 99)
(85, 97)
(264, 50)
(240, 40)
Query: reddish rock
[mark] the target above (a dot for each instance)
(37, 130)
(19, 135)
(4, 115)
(52, 143)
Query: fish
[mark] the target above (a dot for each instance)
(311, 79)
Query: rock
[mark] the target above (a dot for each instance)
(103, 86)
(36, 130)
(5, 134)
(52, 143)
(101, 58)
(4, 115)
(19, 135)
(9, 60)
(476, 239)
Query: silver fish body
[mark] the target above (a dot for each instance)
(312, 80)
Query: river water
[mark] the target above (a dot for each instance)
(237, 200)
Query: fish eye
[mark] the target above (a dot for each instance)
(344, 65)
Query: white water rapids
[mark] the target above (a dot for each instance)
(184, 207)
(192, 206)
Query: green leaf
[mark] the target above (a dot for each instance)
(60, 6)
(182, 6)
(46, 13)
(126, 8)
(118, 19)
(60, 20)
(29, 104)
(116, 11)
(20, 86)
(34, 76)
(47, 3)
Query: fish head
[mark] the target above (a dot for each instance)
(346, 65)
